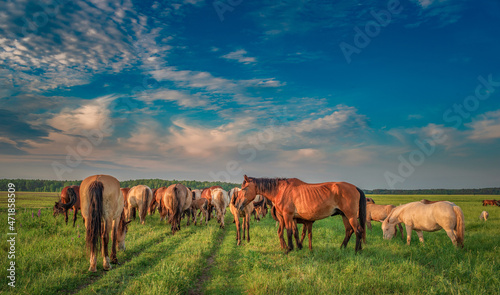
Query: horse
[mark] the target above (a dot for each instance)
(68, 200)
(187, 205)
(102, 208)
(157, 196)
(153, 205)
(245, 213)
(379, 213)
(427, 217)
(196, 194)
(489, 202)
(427, 202)
(139, 197)
(484, 216)
(199, 204)
(206, 193)
(295, 199)
(173, 201)
(220, 201)
(260, 208)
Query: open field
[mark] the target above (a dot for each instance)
(51, 257)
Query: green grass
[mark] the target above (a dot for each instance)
(51, 257)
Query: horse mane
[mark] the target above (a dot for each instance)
(267, 184)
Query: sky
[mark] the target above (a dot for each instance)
(382, 94)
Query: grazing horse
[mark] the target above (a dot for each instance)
(489, 202)
(427, 217)
(173, 201)
(484, 216)
(139, 197)
(124, 191)
(186, 210)
(379, 213)
(245, 213)
(102, 209)
(220, 201)
(207, 194)
(67, 201)
(199, 204)
(295, 199)
(153, 205)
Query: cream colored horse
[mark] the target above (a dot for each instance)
(220, 200)
(427, 217)
(139, 197)
(102, 208)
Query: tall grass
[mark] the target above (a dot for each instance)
(51, 258)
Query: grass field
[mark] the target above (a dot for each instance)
(51, 257)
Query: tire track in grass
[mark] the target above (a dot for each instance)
(205, 273)
(135, 266)
(157, 238)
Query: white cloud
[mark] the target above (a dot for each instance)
(181, 98)
(239, 55)
(486, 128)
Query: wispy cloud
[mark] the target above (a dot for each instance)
(240, 56)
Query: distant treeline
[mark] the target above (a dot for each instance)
(471, 191)
(39, 185)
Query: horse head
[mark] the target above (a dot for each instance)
(122, 232)
(247, 193)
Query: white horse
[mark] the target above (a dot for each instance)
(427, 217)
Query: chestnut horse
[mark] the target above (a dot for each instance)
(157, 196)
(102, 209)
(490, 202)
(139, 197)
(68, 200)
(379, 213)
(245, 213)
(207, 194)
(172, 202)
(295, 199)
(427, 217)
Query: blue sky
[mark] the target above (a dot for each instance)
(382, 94)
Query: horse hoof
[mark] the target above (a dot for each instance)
(92, 269)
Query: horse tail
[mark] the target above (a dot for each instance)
(70, 192)
(460, 227)
(144, 211)
(362, 212)
(174, 207)
(96, 213)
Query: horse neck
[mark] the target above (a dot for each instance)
(271, 194)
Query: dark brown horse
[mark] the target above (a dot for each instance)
(67, 201)
(102, 208)
(207, 194)
(295, 199)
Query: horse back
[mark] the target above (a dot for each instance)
(112, 200)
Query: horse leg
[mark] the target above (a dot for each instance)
(247, 221)
(289, 224)
(452, 236)
(304, 230)
(353, 221)
(401, 230)
(238, 230)
(114, 260)
(408, 234)
(74, 216)
(420, 235)
(369, 224)
(105, 241)
(66, 216)
(309, 236)
(348, 231)
(296, 235)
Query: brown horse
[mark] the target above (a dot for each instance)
(68, 200)
(206, 193)
(102, 208)
(245, 213)
(153, 205)
(427, 217)
(157, 196)
(378, 213)
(490, 202)
(173, 201)
(295, 199)
(124, 191)
(199, 204)
(139, 197)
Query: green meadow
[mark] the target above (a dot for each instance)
(51, 257)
